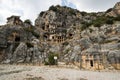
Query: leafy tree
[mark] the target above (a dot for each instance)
(85, 25)
(83, 13)
(57, 5)
(53, 8)
(109, 10)
(109, 21)
(41, 14)
(28, 21)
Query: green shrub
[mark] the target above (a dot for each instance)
(65, 43)
(46, 63)
(72, 12)
(109, 10)
(51, 60)
(83, 13)
(28, 21)
(109, 21)
(58, 6)
(117, 18)
(41, 14)
(36, 34)
(66, 51)
(32, 31)
(53, 8)
(64, 31)
(97, 24)
(99, 21)
(85, 25)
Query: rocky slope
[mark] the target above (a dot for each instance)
(63, 31)
(115, 11)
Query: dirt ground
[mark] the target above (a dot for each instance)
(22, 72)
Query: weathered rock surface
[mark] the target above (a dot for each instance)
(115, 11)
(20, 53)
(59, 30)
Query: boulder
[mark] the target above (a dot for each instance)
(20, 53)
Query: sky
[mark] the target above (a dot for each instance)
(29, 9)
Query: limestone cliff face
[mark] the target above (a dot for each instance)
(63, 31)
(58, 23)
(16, 41)
(115, 11)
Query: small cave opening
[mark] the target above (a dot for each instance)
(43, 28)
(70, 35)
(91, 63)
(17, 38)
(45, 36)
(47, 26)
(52, 37)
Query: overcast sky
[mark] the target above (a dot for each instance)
(29, 9)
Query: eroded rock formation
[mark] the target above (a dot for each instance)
(89, 39)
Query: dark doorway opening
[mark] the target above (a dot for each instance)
(43, 28)
(52, 37)
(17, 38)
(91, 63)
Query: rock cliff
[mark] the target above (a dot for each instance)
(64, 31)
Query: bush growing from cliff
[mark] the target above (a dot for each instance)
(83, 13)
(109, 10)
(65, 43)
(28, 21)
(117, 18)
(53, 8)
(51, 60)
(31, 30)
(35, 34)
(99, 21)
(85, 25)
(58, 6)
(64, 31)
(97, 24)
(102, 20)
(41, 14)
(72, 12)
(109, 21)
